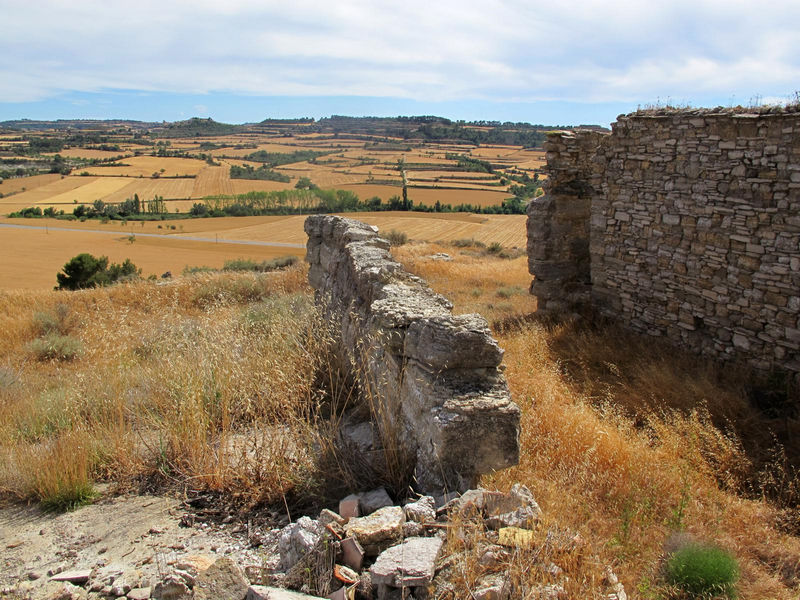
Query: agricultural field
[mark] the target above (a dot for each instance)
(35, 250)
(184, 167)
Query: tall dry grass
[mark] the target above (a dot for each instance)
(202, 383)
(624, 441)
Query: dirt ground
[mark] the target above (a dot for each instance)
(142, 537)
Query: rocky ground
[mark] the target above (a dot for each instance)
(141, 547)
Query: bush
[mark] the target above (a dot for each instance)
(54, 346)
(52, 322)
(702, 571)
(86, 271)
(495, 248)
(245, 264)
(396, 238)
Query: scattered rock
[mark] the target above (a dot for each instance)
(327, 517)
(369, 502)
(297, 539)
(352, 553)
(221, 581)
(492, 587)
(421, 511)
(549, 592)
(260, 592)
(171, 588)
(63, 590)
(443, 256)
(515, 509)
(139, 594)
(516, 537)
(410, 564)
(413, 529)
(379, 530)
(75, 576)
(349, 507)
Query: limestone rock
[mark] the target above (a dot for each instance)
(221, 581)
(139, 594)
(369, 502)
(421, 511)
(62, 590)
(74, 576)
(297, 539)
(171, 588)
(378, 530)
(260, 592)
(410, 564)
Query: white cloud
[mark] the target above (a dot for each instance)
(501, 49)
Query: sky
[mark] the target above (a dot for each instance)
(556, 63)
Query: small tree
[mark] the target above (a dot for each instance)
(86, 271)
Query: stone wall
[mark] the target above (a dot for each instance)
(693, 231)
(434, 378)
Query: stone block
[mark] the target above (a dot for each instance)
(379, 530)
(410, 564)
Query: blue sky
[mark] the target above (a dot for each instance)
(549, 62)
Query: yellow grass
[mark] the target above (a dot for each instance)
(622, 488)
(145, 166)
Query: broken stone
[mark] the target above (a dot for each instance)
(221, 581)
(413, 529)
(62, 590)
(421, 511)
(194, 563)
(516, 537)
(297, 540)
(260, 592)
(345, 574)
(369, 502)
(379, 530)
(352, 553)
(75, 576)
(492, 587)
(327, 517)
(410, 564)
(349, 507)
(493, 556)
(515, 509)
(139, 594)
(171, 588)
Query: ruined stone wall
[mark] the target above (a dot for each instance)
(434, 378)
(694, 228)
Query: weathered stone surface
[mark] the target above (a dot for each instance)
(260, 592)
(297, 539)
(62, 590)
(139, 594)
(421, 511)
(378, 530)
(350, 506)
(171, 588)
(371, 501)
(684, 226)
(410, 564)
(435, 377)
(352, 553)
(221, 581)
(74, 576)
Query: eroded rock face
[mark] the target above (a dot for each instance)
(435, 377)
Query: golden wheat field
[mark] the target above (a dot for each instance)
(146, 166)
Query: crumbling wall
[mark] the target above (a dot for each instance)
(435, 378)
(694, 227)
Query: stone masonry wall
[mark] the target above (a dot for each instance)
(435, 377)
(694, 231)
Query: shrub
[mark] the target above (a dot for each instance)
(495, 248)
(54, 346)
(54, 321)
(396, 238)
(86, 271)
(702, 571)
(245, 264)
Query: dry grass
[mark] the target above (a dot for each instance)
(209, 383)
(624, 441)
(205, 383)
(145, 166)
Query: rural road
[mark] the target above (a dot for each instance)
(161, 235)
